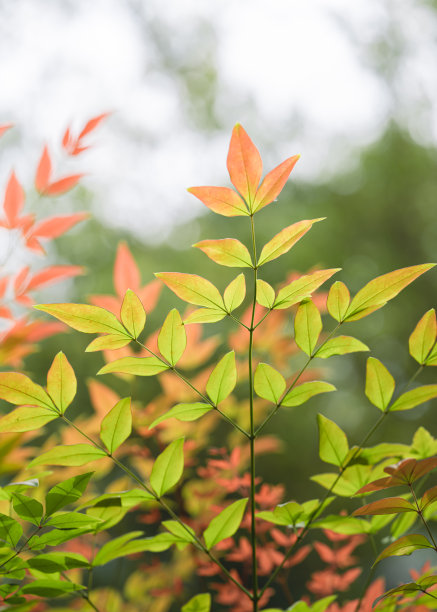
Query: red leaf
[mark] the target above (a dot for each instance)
(4, 281)
(5, 313)
(19, 281)
(78, 150)
(53, 274)
(273, 183)
(92, 124)
(14, 200)
(43, 171)
(5, 127)
(62, 185)
(126, 273)
(67, 139)
(56, 226)
(244, 164)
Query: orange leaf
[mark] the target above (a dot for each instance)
(5, 127)
(43, 171)
(273, 183)
(56, 226)
(126, 272)
(67, 139)
(92, 124)
(14, 200)
(63, 185)
(221, 200)
(53, 274)
(244, 164)
(226, 252)
(389, 505)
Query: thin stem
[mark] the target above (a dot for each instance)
(238, 321)
(422, 518)
(83, 594)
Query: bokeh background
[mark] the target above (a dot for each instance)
(351, 86)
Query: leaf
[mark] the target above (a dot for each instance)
(307, 326)
(235, 293)
(108, 342)
(126, 499)
(269, 383)
(183, 412)
(341, 345)
(139, 366)
(72, 520)
(19, 389)
(225, 524)
(26, 418)
(302, 393)
(389, 505)
(132, 314)
(66, 492)
(273, 183)
(180, 530)
(380, 384)
(27, 508)
(333, 445)
(72, 455)
(423, 337)
(226, 252)
(198, 603)
(116, 427)
(244, 164)
(126, 273)
(265, 294)
(62, 185)
(404, 546)
(52, 587)
(221, 200)
(172, 338)
(282, 242)
(10, 530)
(338, 301)
(85, 318)
(168, 467)
(53, 227)
(43, 171)
(50, 563)
(61, 382)
(14, 200)
(222, 379)
(431, 360)
(380, 290)
(205, 315)
(302, 288)
(55, 537)
(126, 545)
(353, 477)
(414, 398)
(192, 289)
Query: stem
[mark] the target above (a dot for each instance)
(422, 518)
(83, 594)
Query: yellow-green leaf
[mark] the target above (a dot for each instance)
(302, 288)
(198, 603)
(414, 398)
(205, 315)
(132, 314)
(168, 467)
(116, 427)
(265, 294)
(108, 342)
(341, 345)
(269, 383)
(172, 338)
(183, 412)
(338, 300)
(222, 379)
(302, 393)
(226, 252)
(192, 289)
(61, 382)
(19, 389)
(282, 242)
(380, 384)
(71, 455)
(221, 200)
(235, 293)
(404, 546)
(85, 318)
(225, 524)
(139, 366)
(26, 418)
(333, 445)
(307, 326)
(423, 337)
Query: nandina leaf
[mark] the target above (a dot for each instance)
(126, 272)
(302, 393)
(307, 326)
(61, 382)
(132, 314)
(72, 455)
(205, 315)
(235, 293)
(282, 242)
(380, 290)
(26, 418)
(423, 337)
(244, 164)
(52, 274)
(389, 505)
(226, 252)
(128, 499)
(19, 389)
(351, 479)
(333, 445)
(44, 171)
(108, 342)
(414, 398)
(72, 520)
(181, 530)
(50, 587)
(198, 603)
(302, 288)
(222, 379)
(380, 384)
(66, 492)
(431, 360)
(56, 226)
(404, 546)
(338, 301)
(172, 339)
(116, 427)
(85, 318)
(424, 445)
(273, 183)
(139, 366)
(27, 508)
(62, 185)
(428, 497)
(5, 127)
(269, 383)
(183, 412)
(168, 467)
(341, 345)
(225, 524)
(192, 289)
(221, 200)
(265, 294)
(91, 124)
(10, 530)
(14, 200)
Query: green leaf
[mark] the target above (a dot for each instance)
(380, 384)
(285, 514)
(338, 301)
(282, 242)
(343, 524)
(269, 383)
(172, 338)
(431, 360)
(182, 531)
(423, 337)
(192, 289)
(226, 252)
(333, 445)
(183, 412)
(225, 524)
(389, 505)
(205, 315)
(307, 326)
(55, 537)
(109, 342)
(116, 427)
(404, 546)
(66, 492)
(26, 418)
(132, 314)
(198, 603)
(235, 293)
(50, 563)
(139, 366)
(414, 398)
(50, 587)
(302, 393)
(340, 346)
(71, 455)
(222, 379)
(424, 445)
(168, 467)
(351, 480)
(10, 530)
(124, 499)
(61, 382)
(72, 520)
(85, 318)
(19, 389)
(265, 294)
(380, 290)
(302, 288)
(105, 554)
(27, 508)
(126, 545)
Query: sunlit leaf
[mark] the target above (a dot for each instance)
(341, 345)
(19, 389)
(50, 587)
(168, 467)
(85, 318)
(10, 530)
(282, 242)
(198, 603)
(269, 383)
(172, 338)
(423, 337)
(265, 294)
(225, 524)
(302, 393)
(27, 508)
(66, 492)
(349, 483)
(389, 505)
(180, 530)
(338, 300)
(132, 314)
(235, 293)
(307, 326)
(273, 183)
(116, 427)
(192, 289)
(221, 200)
(333, 445)
(404, 546)
(26, 418)
(50, 563)
(72, 455)
(226, 252)
(222, 379)
(415, 397)
(244, 164)
(205, 315)
(183, 412)
(108, 342)
(380, 384)
(61, 382)
(139, 366)
(302, 288)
